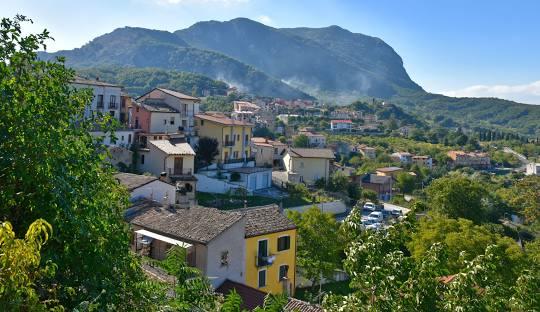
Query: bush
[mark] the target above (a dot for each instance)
(369, 195)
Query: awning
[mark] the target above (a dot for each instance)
(163, 238)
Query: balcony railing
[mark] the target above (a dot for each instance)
(265, 261)
(239, 160)
(179, 172)
(112, 105)
(228, 143)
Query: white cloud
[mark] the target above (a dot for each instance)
(265, 19)
(525, 93)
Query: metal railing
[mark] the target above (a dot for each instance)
(264, 261)
(238, 160)
(228, 143)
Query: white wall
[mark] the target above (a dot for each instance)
(106, 92)
(335, 207)
(232, 241)
(124, 137)
(211, 185)
(157, 124)
(155, 190)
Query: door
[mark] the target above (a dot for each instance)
(178, 165)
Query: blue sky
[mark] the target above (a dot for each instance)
(458, 47)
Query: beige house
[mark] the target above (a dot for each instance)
(423, 161)
(473, 160)
(268, 152)
(314, 139)
(306, 165)
(389, 171)
(366, 151)
(176, 159)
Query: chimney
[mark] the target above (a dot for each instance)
(163, 177)
(184, 196)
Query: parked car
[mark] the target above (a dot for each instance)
(374, 226)
(369, 206)
(396, 212)
(376, 215)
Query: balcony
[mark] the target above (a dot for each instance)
(112, 105)
(228, 143)
(179, 173)
(265, 261)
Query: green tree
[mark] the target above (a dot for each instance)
(51, 168)
(264, 133)
(406, 182)
(338, 182)
(206, 151)
(301, 141)
(20, 267)
(282, 139)
(355, 161)
(524, 197)
(319, 247)
(457, 197)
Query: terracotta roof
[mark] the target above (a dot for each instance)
(132, 181)
(80, 80)
(251, 297)
(341, 121)
(171, 148)
(295, 305)
(194, 225)
(312, 152)
(266, 142)
(388, 169)
(264, 220)
(179, 95)
(222, 119)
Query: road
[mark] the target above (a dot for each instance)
(521, 158)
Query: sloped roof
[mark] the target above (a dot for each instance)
(132, 181)
(179, 95)
(295, 305)
(81, 80)
(194, 225)
(312, 152)
(171, 148)
(157, 107)
(264, 220)
(222, 119)
(259, 141)
(389, 169)
(251, 297)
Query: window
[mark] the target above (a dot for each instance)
(202, 122)
(262, 278)
(238, 137)
(172, 121)
(262, 250)
(164, 121)
(275, 151)
(129, 138)
(283, 271)
(224, 259)
(247, 138)
(112, 101)
(142, 159)
(100, 101)
(284, 243)
(122, 139)
(235, 154)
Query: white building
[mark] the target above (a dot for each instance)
(533, 169)
(341, 125)
(176, 159)
(186, 106)
(402, 157)
(106, 99)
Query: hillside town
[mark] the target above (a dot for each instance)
(207, 197)
(206, 181)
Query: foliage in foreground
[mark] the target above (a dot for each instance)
(51, 168)
(385, 278)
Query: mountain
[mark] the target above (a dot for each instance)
(137, 81)
(329, 63)
(318, 60)
(139, 47)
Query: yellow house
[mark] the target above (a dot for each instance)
(306, 165)
(233, 136)
(270, 250)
